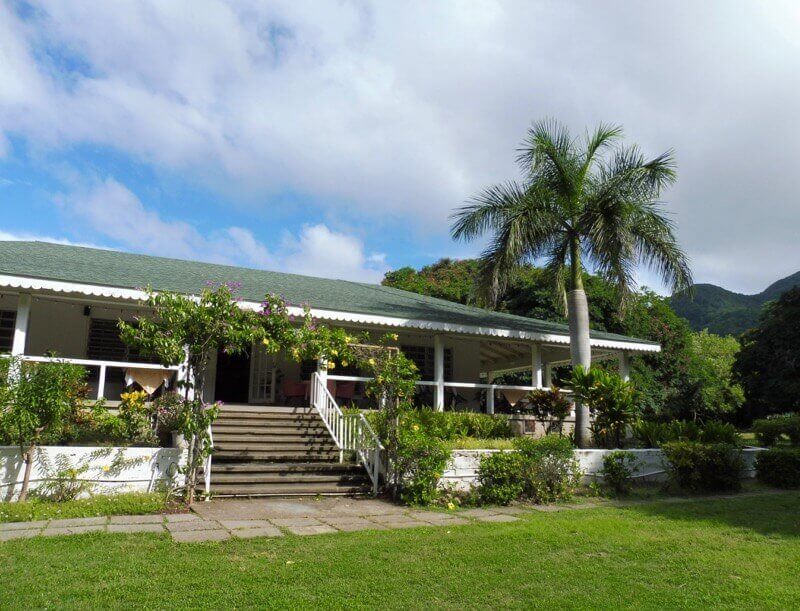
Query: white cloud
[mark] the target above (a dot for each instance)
(320, 251)
(112, 211)
(406, 109)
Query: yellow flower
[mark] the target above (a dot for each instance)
(106, 468)
(451, 505)
(394, 336)
(344, 363)
(331, 365)
(415, 427)
(371, 361)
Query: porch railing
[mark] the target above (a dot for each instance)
(489, 388)
(103, 367)
(350, 432)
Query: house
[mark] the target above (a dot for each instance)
(66, 300)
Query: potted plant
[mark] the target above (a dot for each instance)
(168, 408)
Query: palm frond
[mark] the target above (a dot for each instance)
(487, 211)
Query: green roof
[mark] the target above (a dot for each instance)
(125, 270)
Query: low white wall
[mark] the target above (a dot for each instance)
(461, 472)
(107, 469)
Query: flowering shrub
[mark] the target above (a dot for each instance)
(138, 417)
(168, 408)
(420, 462)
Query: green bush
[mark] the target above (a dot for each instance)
(421, 460)
(719, 432)
(612, 401)
(649, 434)
(448, 426)
(500, 479)
(701, 467)
(770, 431)
(779, 467)
(540, 470)
(618, 470)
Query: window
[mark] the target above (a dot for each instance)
(423, 359)
(105, 344)
(7, 320)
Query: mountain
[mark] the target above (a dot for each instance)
(724, 312)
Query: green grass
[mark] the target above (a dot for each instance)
(734, 553)
(131, 503)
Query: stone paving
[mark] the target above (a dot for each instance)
(224, 519)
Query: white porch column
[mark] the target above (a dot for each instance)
(548, 375)
(624, 366)
(536, 366)
(490, 393)
(438, 373)
(21, 324)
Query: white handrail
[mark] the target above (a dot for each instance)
(350, 432)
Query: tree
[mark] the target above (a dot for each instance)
(768, 365)
(710, 392)
(36, 400)
(577, 206)
(183, 329)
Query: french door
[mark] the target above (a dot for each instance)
(262, 375)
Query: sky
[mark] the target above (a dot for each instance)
(335, 138)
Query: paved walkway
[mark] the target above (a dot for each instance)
(223, 519)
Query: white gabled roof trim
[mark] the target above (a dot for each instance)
(59, 286)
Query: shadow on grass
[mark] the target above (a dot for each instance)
(772, 514)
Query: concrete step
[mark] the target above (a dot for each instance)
(270, 417)
(265, 409)
(354, 479)
(267, 438)
(249, 429)
(278, 456)
(287, 489)
(291, 467)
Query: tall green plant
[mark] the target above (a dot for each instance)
(582, 201)
(611, 399)
(36, 400)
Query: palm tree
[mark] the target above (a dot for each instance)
(583, 201)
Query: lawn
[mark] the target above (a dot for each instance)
(131, 503)
(742, 552)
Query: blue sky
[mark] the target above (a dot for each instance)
(335, 138)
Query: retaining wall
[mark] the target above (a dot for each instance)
(104, 469)
(461, 472)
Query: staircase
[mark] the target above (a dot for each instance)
(262, 451)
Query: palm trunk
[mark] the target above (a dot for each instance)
(580, 350)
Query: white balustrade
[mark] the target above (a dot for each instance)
(350, 432)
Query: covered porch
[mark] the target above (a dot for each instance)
(458, 368)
